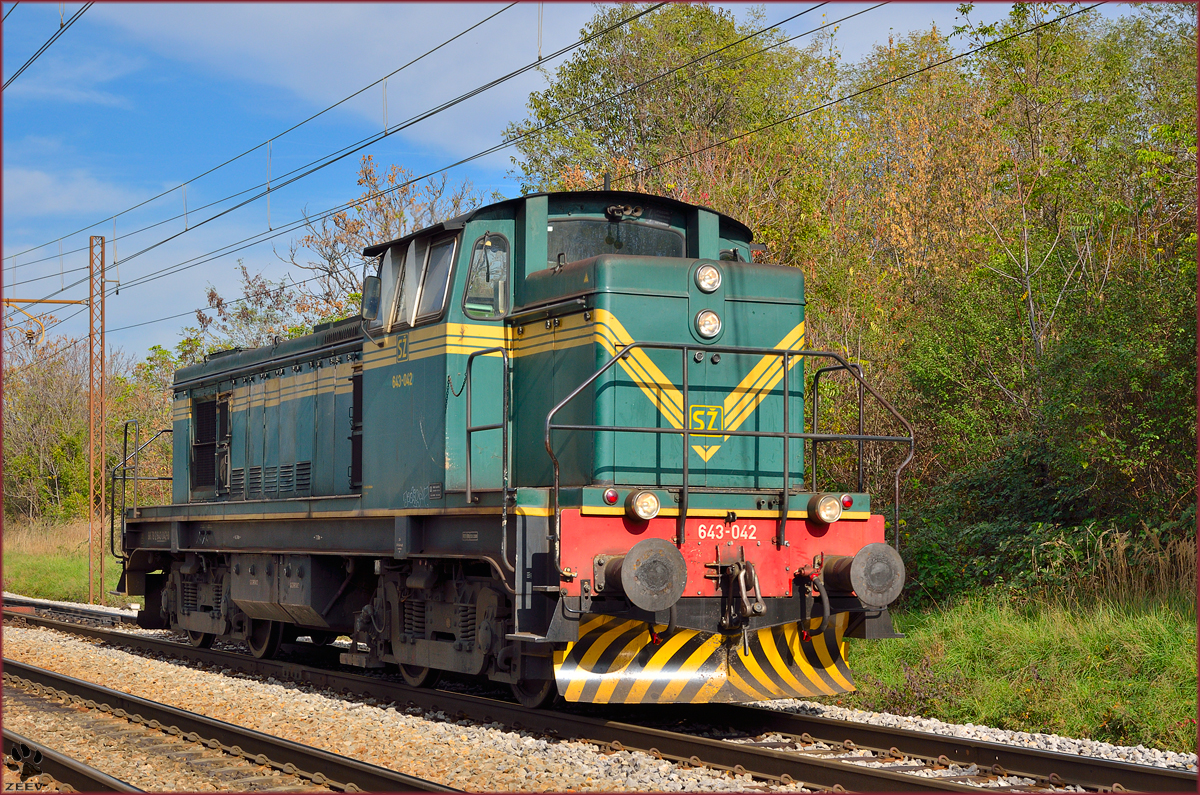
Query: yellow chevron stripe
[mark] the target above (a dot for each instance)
(696, 659)
(760, 676)
(827, 660)
(593, 654)
(738, 404)
(615, 673)
(660, 658)
(766, 639)
(792, 634)
(661, 391)
(736, 680)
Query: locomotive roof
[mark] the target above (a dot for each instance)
(458, 222)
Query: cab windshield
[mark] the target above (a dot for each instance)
(575, 239)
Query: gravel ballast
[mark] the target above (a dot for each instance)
(457, 753)
(623, 770)
(1138, 755)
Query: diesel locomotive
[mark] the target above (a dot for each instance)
(567, 446)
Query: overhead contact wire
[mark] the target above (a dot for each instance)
(264, 143)
(420, 117)
(859, 93)
(44, 47)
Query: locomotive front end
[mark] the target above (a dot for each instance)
(695, 550)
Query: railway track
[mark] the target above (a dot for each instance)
(70, 612)
(774, 746)
(236, 757)
(32, 760)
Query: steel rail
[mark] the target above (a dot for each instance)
(68, 610)
(1045, 766)
(1087, 771)
(323, 767)
(761, 762)
(60, 767)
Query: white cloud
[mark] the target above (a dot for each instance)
(74, 80)
(30, 192)
(320, 53)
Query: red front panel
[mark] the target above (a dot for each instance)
(712, 540)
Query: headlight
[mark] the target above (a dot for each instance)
(642, 505)
(825, 508)
(708, 278)
(708, 324)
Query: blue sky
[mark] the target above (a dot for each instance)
(136, 99)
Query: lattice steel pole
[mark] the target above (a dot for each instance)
(95, 403)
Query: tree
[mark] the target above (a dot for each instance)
(650, 89)
(391, 206)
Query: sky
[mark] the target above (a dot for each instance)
(134, 100)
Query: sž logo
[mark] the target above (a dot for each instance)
(29, 763)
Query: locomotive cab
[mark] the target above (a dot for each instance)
(568, 447)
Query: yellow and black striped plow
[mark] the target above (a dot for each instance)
(617, 662)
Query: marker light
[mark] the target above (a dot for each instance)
(610, 496)
(708, 324)
(708, 278)
(825, 508)
(847, 500)
(642, 505)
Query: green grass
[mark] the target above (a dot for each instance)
(50, 562)
(57, 577)
(1123, 673)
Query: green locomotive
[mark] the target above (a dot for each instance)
(563, 448)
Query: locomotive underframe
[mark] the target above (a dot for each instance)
(416, 591)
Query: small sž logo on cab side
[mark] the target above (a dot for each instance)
(401, 347)
(706, 418)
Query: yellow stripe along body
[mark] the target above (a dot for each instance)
(616, 661)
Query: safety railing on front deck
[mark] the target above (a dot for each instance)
(121, 472)
(685, 432)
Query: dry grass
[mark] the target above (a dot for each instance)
(1114, 565)
(45, 538)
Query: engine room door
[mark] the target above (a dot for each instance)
(486, 300)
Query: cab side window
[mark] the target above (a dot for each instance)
(408, 282)
(437, 279)
(487, 282)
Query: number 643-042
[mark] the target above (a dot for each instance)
(734, 532)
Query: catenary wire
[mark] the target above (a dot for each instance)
(270, 234)
(259, 146)
(12, 8)
(375, 137)
(843, 99)
(346, 152)
(858, 93)
(186, 264)
(46, 46)
(738, 137)
(527, 133)
(262, 237)
(556, 121)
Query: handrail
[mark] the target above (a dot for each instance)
(684, 349)
(124, 468)
(816, 420)
(502, 426)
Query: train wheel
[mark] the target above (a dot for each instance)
(264, 638)
(418, 676)
(321, 638)
(535, 693)
(201, 640)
